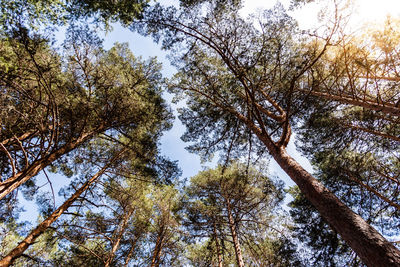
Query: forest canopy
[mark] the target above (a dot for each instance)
(247, 88)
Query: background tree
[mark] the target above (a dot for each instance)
(108, 229)
(165, 233)
(136, 156)
(238, 205)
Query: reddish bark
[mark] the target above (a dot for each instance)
(155, 261)
(366, 241)
(19, 178)
(236, 243)
(120, 232)
(131, 250)
(219, 256)
(20, 138)
(369, 244)
(42, 227)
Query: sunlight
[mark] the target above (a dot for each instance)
(362, 12)
(367, 11)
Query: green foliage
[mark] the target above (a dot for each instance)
(93, 91)
(233, 75)
(124, 11)
(254, 202)
(30, 14)
(209, 77)
(111, 99)
(37, 15)
(228, 69)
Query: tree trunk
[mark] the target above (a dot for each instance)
(370, 246)
(120, 232)
(236, 243)
(367, 243)
(130, 253)
(155, 261)
(219, 256)
(18, 179)
(20, 138)
(42, 227)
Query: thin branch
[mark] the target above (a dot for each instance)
(51, 186)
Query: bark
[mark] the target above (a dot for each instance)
(155, 261)
(19, 178)
(42, 227)
(369, 244)
(130, 253)
(120, 233)
(394, 79)
(366, 241)
(236, 243)
(20, 138)
(219, 256)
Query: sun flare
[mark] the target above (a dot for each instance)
(376, 11)
(362, 12)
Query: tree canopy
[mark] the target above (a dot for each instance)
(248, 86)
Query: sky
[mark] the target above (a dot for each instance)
(364, 11)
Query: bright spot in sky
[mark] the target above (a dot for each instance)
(376, 11)
(362, 12)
